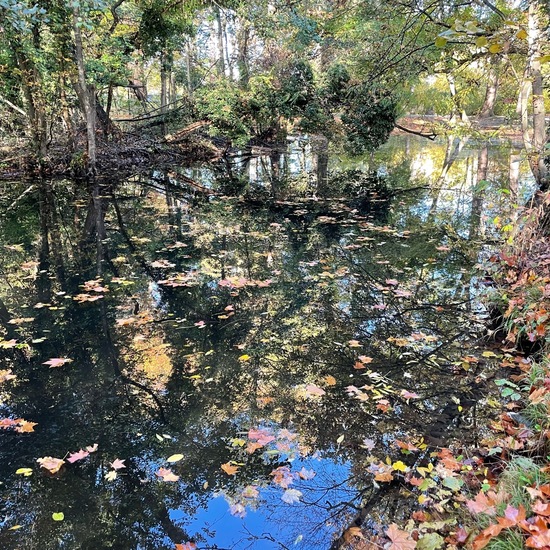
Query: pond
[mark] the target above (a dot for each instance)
(182, 368)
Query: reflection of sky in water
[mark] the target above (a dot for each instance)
(301, 525)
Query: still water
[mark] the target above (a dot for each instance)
(225, 357)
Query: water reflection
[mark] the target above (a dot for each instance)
(275, 347)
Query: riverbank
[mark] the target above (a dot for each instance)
(496, 494)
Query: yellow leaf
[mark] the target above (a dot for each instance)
(14, 528)
(495, 48)
(400, 466)
(244, 357)
(174, 458)
(24, 471)
(58, 516)
(489, 354)
(330, 380)
(440, 42)
(422, 499)
(521, 34)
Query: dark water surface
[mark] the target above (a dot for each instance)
(279, 348)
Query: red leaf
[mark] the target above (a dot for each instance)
(481, 504)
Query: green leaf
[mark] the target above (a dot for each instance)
(453, 483)
(440, 42)
(481, 42)
(430, 541)
(58, 516)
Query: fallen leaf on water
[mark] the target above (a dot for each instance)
(167, 475)
(74, 457)
(229, 468)
(354, 344)
(174, 458)
(250, 492)
(400, 466)
(51, 464)
(117, 464)
(58, 516)
(24, 472)
(409, 394)
(111, 476)
(290, 496)
(349, 534)
(401, 540)
(313, 390)
(57, 362)
(306, 474)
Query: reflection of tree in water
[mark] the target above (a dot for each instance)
(191, 366)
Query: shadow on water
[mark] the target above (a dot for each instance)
(239, 361)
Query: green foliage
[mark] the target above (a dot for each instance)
(222, 104)
(369, 118)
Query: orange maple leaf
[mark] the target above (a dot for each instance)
(229, 468)
(401, 540)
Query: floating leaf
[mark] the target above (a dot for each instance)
(57, 362)
(250, 492)
(167, 475)
(229, 468)
(174, 458)
(290, 496)
(51, 464)
(400, 466)
(24, 472)
(117, 464)
(244, 357)
(453, 483)
(74, 457)
(111, 476)
(401, 540)
(314, 391)
(58, 516)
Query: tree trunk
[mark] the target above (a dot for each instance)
(457, 109)
(86, 95)
(221, 52)
(488, 108)
(479, 192)
(532, 84)
(34, 103)
(243, 37)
